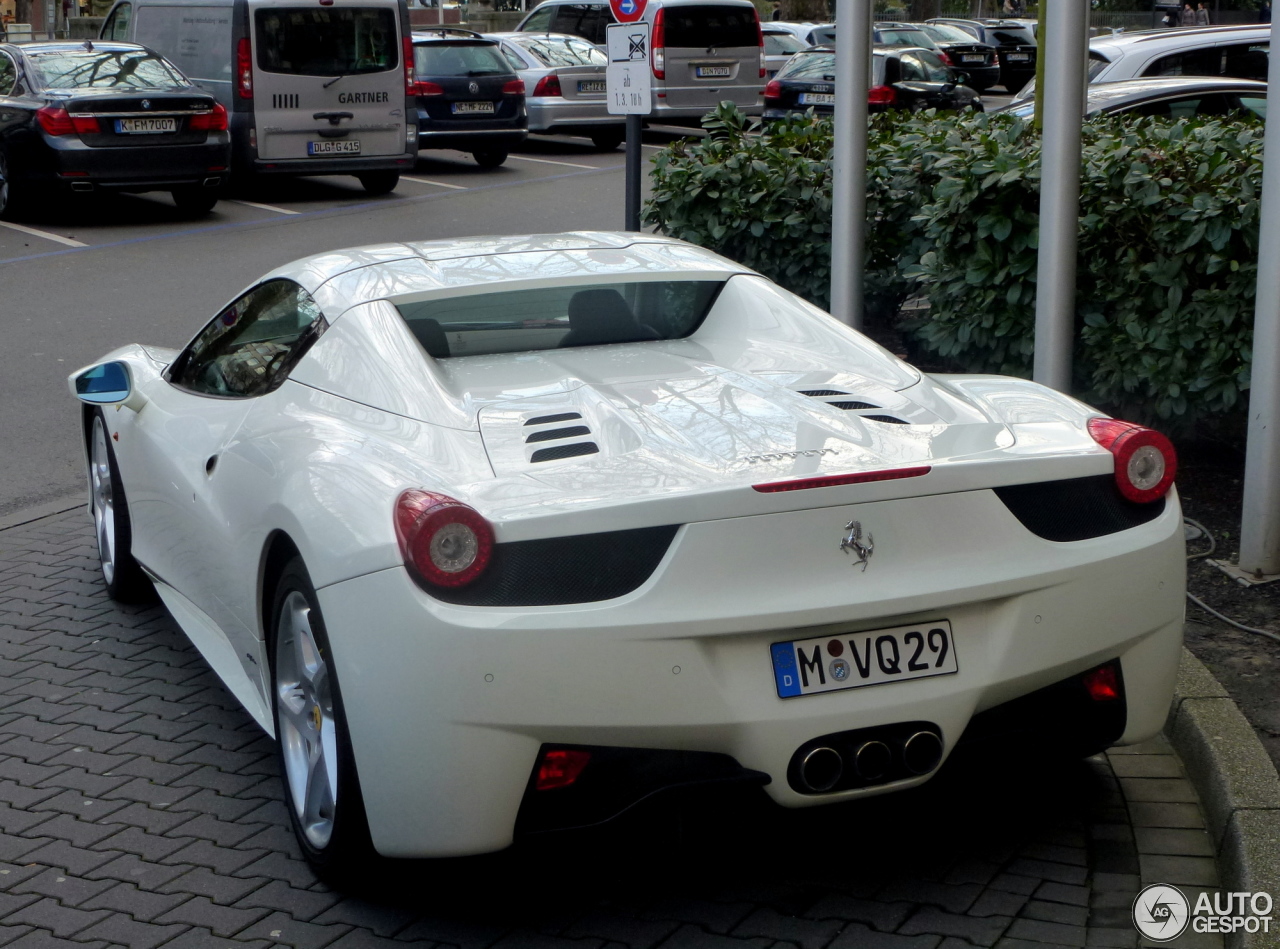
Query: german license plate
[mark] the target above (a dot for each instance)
(591, 85)
(713, 72)
(978, 58)
(145, 126)
(852, 660)
(817, 98)
(333, 148)
(1018, 57)
(460, 108)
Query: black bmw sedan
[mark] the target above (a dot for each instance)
(78, 117)
(911, 79)
(467, 95)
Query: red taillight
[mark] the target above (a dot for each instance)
(881, 95)
(1145, 462)
(1102, 683)
(212, 121)
(548, 86)
(995, 59)
(658, 50)
(244, 68)
(760, 41)
(408, 68)
(55, 120)
(445, 542)
(773, 90)
(513, 88)
(559, 768)
(946, 60)
(426, 89)
(828, 481)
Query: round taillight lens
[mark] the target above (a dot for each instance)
(773, 90)
(1145, 462)
(443, 541)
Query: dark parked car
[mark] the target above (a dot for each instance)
(467, 95)
(1013, 41)
(113, 116)
(900, 79)
(980, 60)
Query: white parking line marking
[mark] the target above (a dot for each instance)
(45, 234)
(438, 184)
(548, 161)
(263, 207)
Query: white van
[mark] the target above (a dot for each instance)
(317, 88)
(704, 52)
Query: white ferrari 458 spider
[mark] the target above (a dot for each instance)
(500, 536)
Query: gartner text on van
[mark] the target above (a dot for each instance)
(358, 98)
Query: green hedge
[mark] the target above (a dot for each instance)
(1168, 239)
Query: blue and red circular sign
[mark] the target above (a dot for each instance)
(627, 11)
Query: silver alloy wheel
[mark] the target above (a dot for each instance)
(307, 731)
(102, 499)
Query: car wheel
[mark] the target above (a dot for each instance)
(321, 789)
(607, 141)
(196, 200)
(111, 527)
(10, 193)
(489, 159)
(379, 182)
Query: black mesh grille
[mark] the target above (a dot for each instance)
(564, 451)
(853, 405)
(550, 434)
(584, 568)
(544, 419)
(885, 418)
(1077, 508)
(817, 392)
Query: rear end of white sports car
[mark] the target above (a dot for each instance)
(763, 553)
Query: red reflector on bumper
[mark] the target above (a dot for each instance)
(560, 767)
(1101, 683)
(827, 481)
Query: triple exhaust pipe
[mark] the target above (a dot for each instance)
(865, 757)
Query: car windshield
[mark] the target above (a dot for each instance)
(458, 59)
(781, 44)
(556, 51)
(326, 41)
(905, 38)
(947, 34)
(559, 317)
(817, 65)
(710, 26)
(82, 67)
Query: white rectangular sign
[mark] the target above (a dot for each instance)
(627, 76)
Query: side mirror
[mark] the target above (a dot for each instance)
(108, 383)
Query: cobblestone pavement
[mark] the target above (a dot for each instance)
(139, 806)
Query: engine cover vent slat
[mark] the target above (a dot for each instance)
(818, 392)
(551, 434)
(887, 418)
(564, 451)
(853, 405)
(548, 419)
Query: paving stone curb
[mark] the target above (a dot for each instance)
(1238, 786)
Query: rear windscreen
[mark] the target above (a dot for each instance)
(310, 41)
(555, 51)
(559, 317)
(816, 66)
(905, 38)
(710, 25)
(781, 44)
(1012, 36)
(458, 59)
(81, 68)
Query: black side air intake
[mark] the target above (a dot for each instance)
(1076, 508)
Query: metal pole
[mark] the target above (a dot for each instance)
(633, 173)
(1260, 523)
(849, 159)
(1065, 47)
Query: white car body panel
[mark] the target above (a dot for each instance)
(685, 429)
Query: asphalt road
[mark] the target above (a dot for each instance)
(78, 281)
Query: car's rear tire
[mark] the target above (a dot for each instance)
(317, 765)
(489, 159)
(379, 182)
(112, 529)
(195, 200)
(11, 193)
(607, 141)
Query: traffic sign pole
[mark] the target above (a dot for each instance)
(629, 92)
(634, 126)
